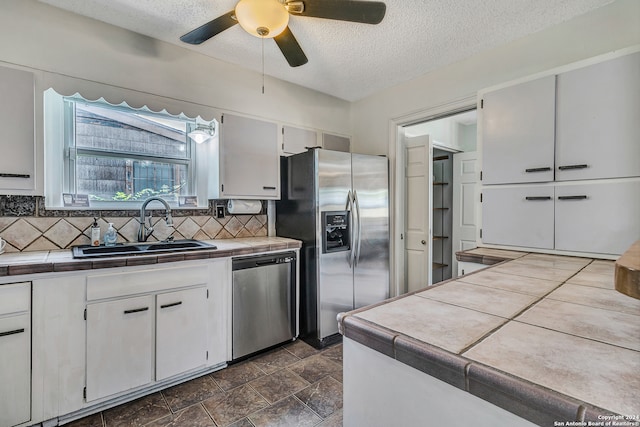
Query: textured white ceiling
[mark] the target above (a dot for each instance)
(347, 60)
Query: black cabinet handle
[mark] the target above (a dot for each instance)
(16, 331)
(268, 188)
(173, 304)
(136, 310)
(538, 198)
(15, 175)
(538, 170)
(568, 167)
(583, 197)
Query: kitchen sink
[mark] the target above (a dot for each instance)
(121, 249)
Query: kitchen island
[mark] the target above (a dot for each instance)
(534, 340)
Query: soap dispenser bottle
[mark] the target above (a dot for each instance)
(110, 236)
(95, 233)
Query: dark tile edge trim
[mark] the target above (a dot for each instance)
(17, 269)
(523, 398)
(530, 401)
(94, 264)
(432, 360)
(368, 334)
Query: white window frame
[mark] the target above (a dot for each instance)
(59, 156)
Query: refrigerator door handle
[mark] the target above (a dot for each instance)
(359, 229)
(349, 208)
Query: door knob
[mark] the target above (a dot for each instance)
(424, 242)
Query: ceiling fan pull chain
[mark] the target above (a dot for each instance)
(262, 65)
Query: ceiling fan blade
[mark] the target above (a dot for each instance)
(211, 28)
(367, 12)
(290, 48)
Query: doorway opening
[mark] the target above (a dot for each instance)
(439, 196)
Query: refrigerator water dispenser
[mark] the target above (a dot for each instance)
(336, 231)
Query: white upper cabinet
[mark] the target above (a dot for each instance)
(598, 121)
(602, 217)
(249, 163)
(17, 141)
(518, 124)
(518, 216)
(336, 142)
(297, 140)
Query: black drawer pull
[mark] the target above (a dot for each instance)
(15, 175)
(572, 197)
(136, 310)
(17, 331)
(268, 188)
(538, 170)
(173, 304)
(538, 198)
(568, 167)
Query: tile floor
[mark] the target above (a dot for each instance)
(293, 385)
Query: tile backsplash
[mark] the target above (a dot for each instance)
(27, 226)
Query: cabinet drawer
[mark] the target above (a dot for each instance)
(143, 281)
(15, 298)
(601, 217)
(518, 216)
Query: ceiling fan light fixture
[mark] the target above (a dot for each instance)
(262, 18)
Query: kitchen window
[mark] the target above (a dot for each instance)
(117, 155)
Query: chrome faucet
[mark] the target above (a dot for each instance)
(144, 232)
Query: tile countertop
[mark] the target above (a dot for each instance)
(12, 264)
(543, 336)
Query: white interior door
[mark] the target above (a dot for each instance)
(418, 181)
(465, 177)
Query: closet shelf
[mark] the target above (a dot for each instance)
(440, 183)
(440, 158)
(437, 265)
(440, 237)
(440, 209)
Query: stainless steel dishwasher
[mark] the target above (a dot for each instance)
(264, 302)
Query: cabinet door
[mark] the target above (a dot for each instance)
(249, 160)
(296, 140)
(518, 133)
(598, 217)
(15, 370)
(336, 142)
(119, 345)
(518, 216)
(17, 130)
(181, 332)
(598, 124)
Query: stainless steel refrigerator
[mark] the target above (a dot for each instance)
(337, 204)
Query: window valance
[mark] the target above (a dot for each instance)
(94, 91)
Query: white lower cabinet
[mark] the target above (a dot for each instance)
(518, 216)
(181, 330)
(15, 354)
(119, 345)
(599, 217)
(15, 369)
(109, 335)
(465, 267)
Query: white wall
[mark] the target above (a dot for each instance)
(606, 29)
(41, 37)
